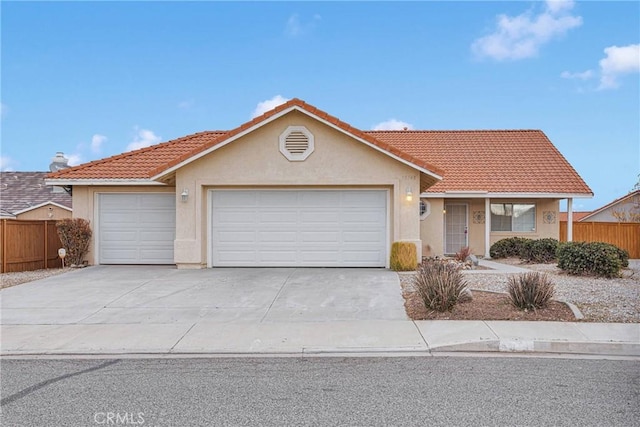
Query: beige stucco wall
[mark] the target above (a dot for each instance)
(84, 204)
(43, 213)
(432, 228)
(254, 161)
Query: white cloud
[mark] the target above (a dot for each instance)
(74, 159)
(143, 138)
(519, 37)
(4, 110)
(267, 105)
(295, 27)
(585, 75)
(185, 105)
(618, 61)
(96, 142)
(6, 164)
(393, 124)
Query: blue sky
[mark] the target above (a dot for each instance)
(96, 79)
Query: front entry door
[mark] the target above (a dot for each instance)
(456, 229)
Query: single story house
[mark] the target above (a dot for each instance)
(25, 196)
(299, 187)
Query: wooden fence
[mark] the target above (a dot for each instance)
(625, 235)
(28, 245)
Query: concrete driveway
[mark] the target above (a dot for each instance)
(162, 295)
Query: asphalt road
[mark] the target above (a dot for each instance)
(446, 391)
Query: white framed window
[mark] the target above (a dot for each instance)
(425, 209)
(513, 217)
(296, 143)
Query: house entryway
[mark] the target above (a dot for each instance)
(456, 227)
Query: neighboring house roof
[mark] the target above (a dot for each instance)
(495, 161)
(577, 216)
(24, 191)
(619, 200)
(520, 161)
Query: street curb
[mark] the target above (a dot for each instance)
(529, 346)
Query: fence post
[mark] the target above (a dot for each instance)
(46, 241)
(4, 245)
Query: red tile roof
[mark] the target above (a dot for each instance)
(520, 161)
(137, 164)
(501, 161)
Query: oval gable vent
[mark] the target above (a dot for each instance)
(296, 143)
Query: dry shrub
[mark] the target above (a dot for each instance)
(440, 285)
(463, 254)
(75, 235)
(529, 291)
(403, 256)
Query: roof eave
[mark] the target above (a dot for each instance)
(505, 195)
(102, 182)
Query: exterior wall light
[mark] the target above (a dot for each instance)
(409, 194)
(185, 195)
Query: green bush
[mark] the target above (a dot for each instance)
(403, 256)
(506, 248)
(624, 256)
(529, 291)
(595, 259)
(75, 235)
(539, 251)
(440, 284)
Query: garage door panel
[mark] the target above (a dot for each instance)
(234, 216)
(118, 236)
(299, 228)
(277, 237)
(136, 228)
(276, 198)
(234, 236)
(319, 199)
(320, 217)
(276, 216)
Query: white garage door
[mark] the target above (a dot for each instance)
(136, 228)
(329, 228)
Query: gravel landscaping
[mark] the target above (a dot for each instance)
(12, 279)
(599, 300)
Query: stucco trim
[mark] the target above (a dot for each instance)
(485, 194)
(30, 208)
(277, 116)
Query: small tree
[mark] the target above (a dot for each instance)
(75, 235)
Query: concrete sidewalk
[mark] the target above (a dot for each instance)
(308, 338)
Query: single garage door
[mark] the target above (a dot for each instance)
(329, 228)
(136, 228)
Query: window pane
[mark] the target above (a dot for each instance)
(524, 218)
(501, 217)
(513, 217)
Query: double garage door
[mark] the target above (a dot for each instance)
(288, 228)
(328, 228)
